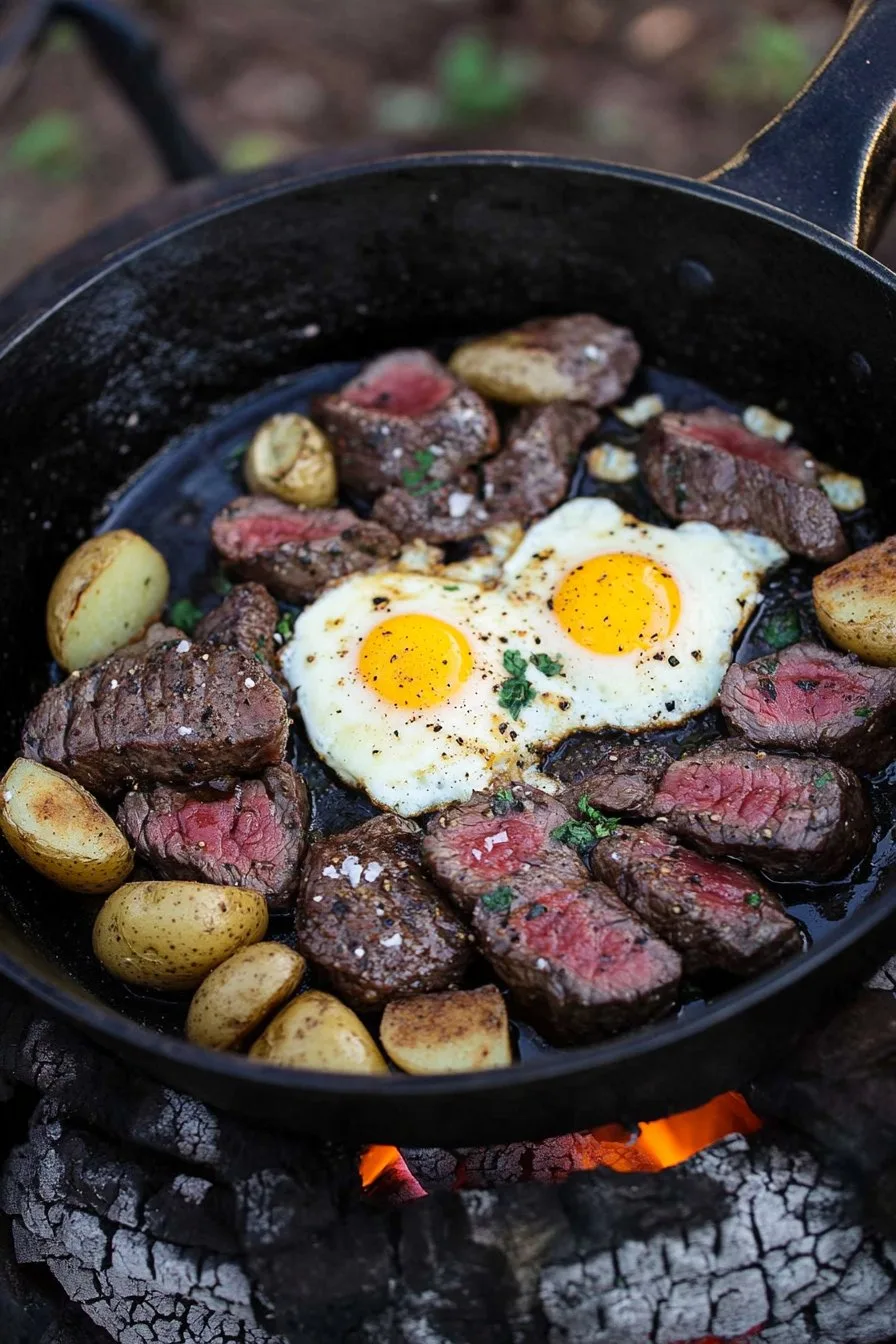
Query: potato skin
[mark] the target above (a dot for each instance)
(169, 935)
(316, 1031)
(60, 829)
(855, 602)
(504, 368)
(106, 594)
(240, 994)
(460, 1031)
(292, 458)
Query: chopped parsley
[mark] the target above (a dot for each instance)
(450, 587)
(781, 629)
(185, 615)
(536, 910)
(821, 780)
(497, 901)
(603, 825)
(551, 667)
(285, 624)
(502, 802)
(864, 712)
(576, 834)
(221, 584)
(414, 479)
(258, 655)
(753, 898)
(517, 691)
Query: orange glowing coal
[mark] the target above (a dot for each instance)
(656, 1144)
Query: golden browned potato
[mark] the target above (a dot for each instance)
(239, 996)
(855, 602)
(291, 458)
(61, 830)
(106, 594)
(461, 1031)
(316, 1031)
(508, 368)
(169, 935)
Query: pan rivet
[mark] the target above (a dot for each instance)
(859, 368)
(695, 278)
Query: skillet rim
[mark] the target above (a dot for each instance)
(101, 1020)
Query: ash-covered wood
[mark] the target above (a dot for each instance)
(169, 1223)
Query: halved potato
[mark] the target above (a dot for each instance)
(855, 602)
(316, 1031)
(169, 935)
(508, 367)
(60, 829)
(238, 997)
(105, 595)
(461, 1031)
(291, 458)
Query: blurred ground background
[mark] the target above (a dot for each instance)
(673, 85)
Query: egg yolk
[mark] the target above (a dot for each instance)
(617, 603)
(414, 661)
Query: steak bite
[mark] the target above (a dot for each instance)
(531, 475)
(450, 513)
(369, 916)
(707, 465)
(406, 420)
(296, 552)
(178, 715)
(245, 620)
(717, 915)
(792, 816)
(625, 780)
(810, 698)
(233, 832)
(577, 960)
(499, 838)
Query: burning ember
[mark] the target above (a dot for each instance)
(655, 1144)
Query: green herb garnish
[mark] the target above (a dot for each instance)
(862, 713)
(602, 824)
(414, 478)
(517, 691)
(753, 898)
(551, 667)
(185, 615)
(221, 584)
(450, 587)
(781, 629)
(502, 802)
(259, 653)
(576, 834)
(821, 780)
(536, 910)
(285, 624)
(497, 901)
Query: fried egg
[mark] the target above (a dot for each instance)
(597, 618)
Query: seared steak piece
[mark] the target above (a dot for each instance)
(793, 816)
(179, 715)
(578, 961)
(717, 915)
(450, 513)
(369, 916)
(624, 781)
(531, 475)
(707, 465)
(810, 698)
(405, 420)
(296, 552)
(497, 839)
(245, 620)
(233, 832)
(156, 636)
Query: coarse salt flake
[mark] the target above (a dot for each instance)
(491, 840)
(359, 952)
(114, 683)
(184, 731)
(372, 871)
(459, 503)
(182, 647)
(541, 964)
(352, 869)
(330, 871)
(477, 854)
(7, 795)
(248, 683)
(394, 941)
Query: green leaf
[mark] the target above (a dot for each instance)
(503, 802)
(820, 780)
(185, 615)
(497, 901)
(478, 81)
(221, 584)
(862, 713)
(286, 624)
(514, 663)
(515, 694)
(781, 629)
(414, 478)
(753, 898)
(602, 824)
(551, 667)
(253, 149)
(576, 834)
(450, 587)
(51, 145)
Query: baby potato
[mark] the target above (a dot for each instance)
(316, 1031)
(291, 458)
(106, 594)
(855, 602)
(507, 368)
(238, 997)
(169, 935)
(60, 829)
(461, 1031)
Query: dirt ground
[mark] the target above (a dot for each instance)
(673, 85)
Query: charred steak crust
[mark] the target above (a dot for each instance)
(696, 466)
(598, 358)
(451, 513)
(180, 715)
(624, 781)
(532, 473)
(499, 838)
(296, 552)
(234, 832)
(716, 915)
(399, 407)
(810, 698)
(578, 962)
(791, 816)
(245, 620)
(371, 919)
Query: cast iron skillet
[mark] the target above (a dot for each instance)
(765, 299)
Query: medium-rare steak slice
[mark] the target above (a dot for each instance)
(370, 917)
(717, 915)
(245, 620)
(233, 832)
(296, 552)
(452, 512)
(810, 698)
(707, 465)
(576, 959)
(406, 420)
(531, 475)
(497, 838)
(180, 715)
(792, 816)
(625, 780)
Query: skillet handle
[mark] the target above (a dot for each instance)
(830, 156)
